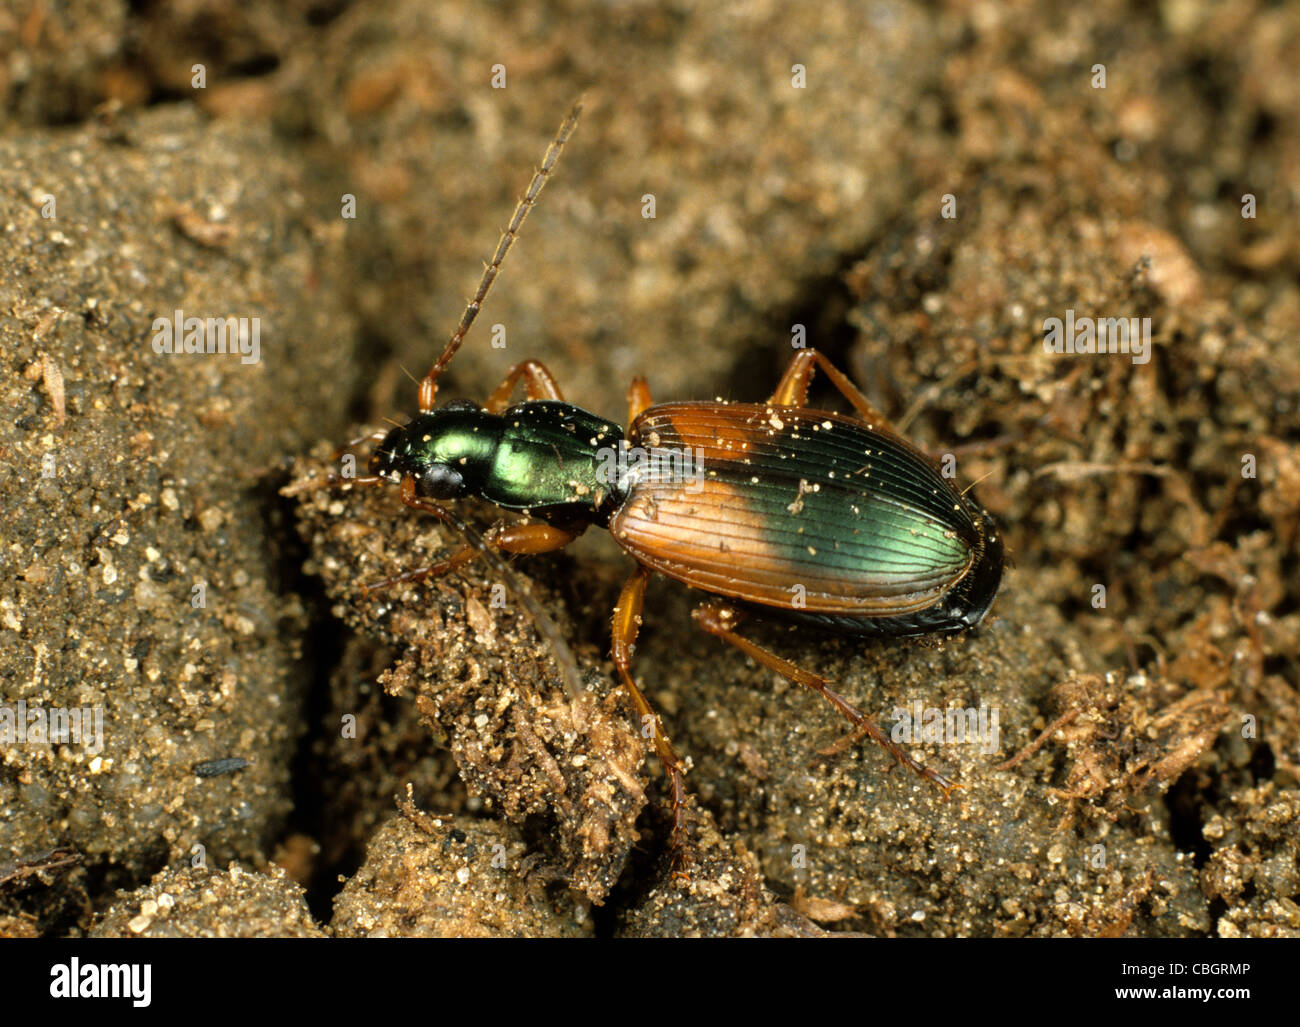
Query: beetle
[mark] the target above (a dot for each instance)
(830, 520)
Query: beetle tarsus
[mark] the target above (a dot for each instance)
(682, 862)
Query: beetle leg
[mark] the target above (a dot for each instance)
(457, 559)
(792, 389)
(528, 539)
(329, 479)
(721, 619)
(627, 623)
(539, 383)
(638, 398)
(542, 621)
(332, 479)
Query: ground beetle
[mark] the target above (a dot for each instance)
(773, 508)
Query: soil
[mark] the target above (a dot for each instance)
(915, 191)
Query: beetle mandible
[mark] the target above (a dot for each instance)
(752, 503)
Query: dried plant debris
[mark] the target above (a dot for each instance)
(1117, 745)
(38, 866)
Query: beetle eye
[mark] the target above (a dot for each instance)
(461, 404)
(440, 482)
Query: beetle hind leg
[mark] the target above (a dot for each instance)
(792, 389)
(720, 619)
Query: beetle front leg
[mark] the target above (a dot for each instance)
(458, 559)
(720, 619)
(524, 539)
(332, 479)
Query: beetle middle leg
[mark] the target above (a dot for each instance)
(720, 619)
(638, 398)
(524, 539)
(627, 623)
(539, 383)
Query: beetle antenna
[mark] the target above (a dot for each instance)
(975, 482)
(429, 385)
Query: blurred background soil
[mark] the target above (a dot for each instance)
(418, 743)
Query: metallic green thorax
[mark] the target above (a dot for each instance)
(549, 458)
